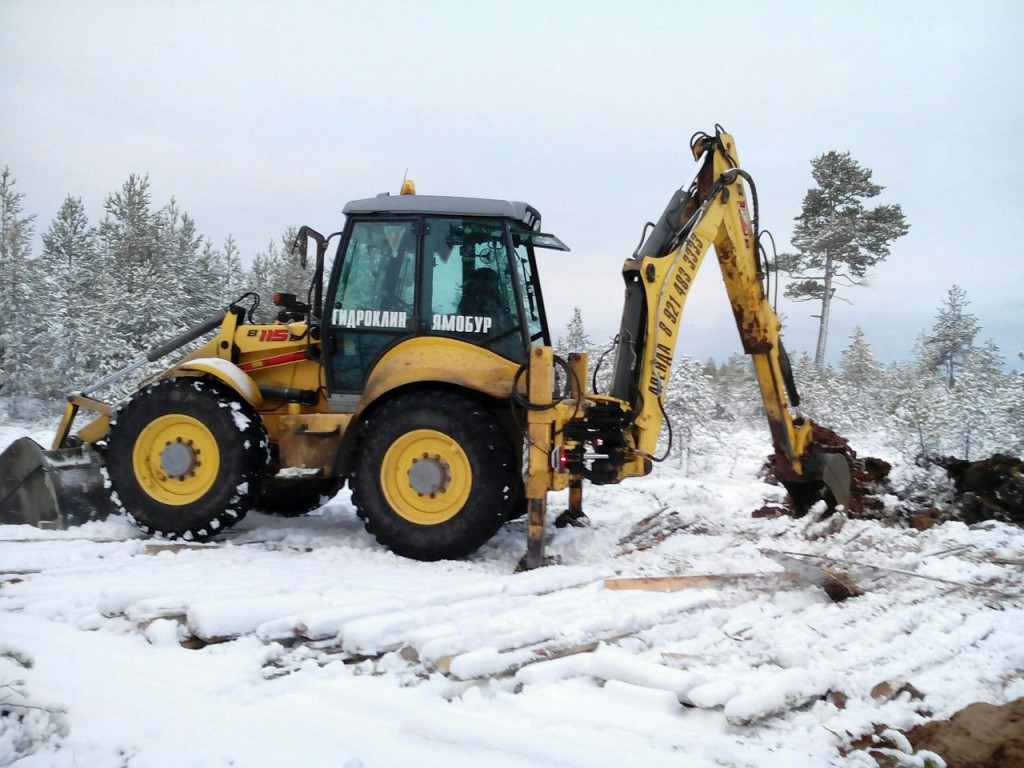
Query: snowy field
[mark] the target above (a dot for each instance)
(302, 642)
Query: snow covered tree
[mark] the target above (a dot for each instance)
(952, 337)
(576, 338)
(735, 392)
(858, 383)
(920, 412)
(233, 270)
(981, 412)
(177, 245)
(980, 405)
(138, 292)
(836, 238)
(1013, 397)
(277, 270)
(17, 298)
(818, 393)
(69, 252)
(691, 409)
(859, 366)
(601, 366)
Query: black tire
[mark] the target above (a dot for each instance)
(185, 458)
(434, 475)
(293, 497)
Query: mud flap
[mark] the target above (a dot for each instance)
(51, 489)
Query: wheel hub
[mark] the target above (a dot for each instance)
(425, 477)
(179, 459)
(429, 475)
(175, 459)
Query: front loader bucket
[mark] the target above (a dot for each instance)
(51, 489)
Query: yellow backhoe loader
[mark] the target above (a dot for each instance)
(420, 371)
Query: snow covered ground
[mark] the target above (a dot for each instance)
(303, 642)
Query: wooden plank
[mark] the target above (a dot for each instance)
(677, 583)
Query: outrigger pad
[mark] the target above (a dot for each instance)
(51, 489)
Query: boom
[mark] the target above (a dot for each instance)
(607, 438)
(712, 211)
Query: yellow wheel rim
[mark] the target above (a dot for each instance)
(176, 459)
(426, 477)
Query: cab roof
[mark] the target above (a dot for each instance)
(447, 206)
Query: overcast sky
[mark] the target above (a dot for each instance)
(257, 116)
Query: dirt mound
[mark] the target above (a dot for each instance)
(869, 479)
(978, 736)
(989, 489)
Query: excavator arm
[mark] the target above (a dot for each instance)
(714, 210)
(606, 439)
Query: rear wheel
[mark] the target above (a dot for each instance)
(184, 458)
(434, 476)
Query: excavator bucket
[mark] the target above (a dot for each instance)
(823, 471)
(835, 474)
(51, 489)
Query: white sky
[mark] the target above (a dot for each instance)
(260, 115)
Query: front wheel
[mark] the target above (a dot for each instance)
(184, 459)
(435, 475)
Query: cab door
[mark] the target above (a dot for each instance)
(373, 301)
(468, 288)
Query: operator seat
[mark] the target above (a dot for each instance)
(480, 295)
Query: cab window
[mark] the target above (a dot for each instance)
(372, 305)
(378, 273)
(469, 284)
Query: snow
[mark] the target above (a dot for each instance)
(301, 641)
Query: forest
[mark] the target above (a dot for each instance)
(98, 294)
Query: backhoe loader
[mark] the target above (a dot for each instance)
(419, 370)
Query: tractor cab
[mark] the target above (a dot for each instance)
(416, 265)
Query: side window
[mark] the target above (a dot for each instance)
(470, 284)
(531, 299)
(372, 306)
(378, 277)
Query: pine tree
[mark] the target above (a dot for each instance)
(235, 279)
(136, 292)
(69, 251)
(1013, 399)
(576, 338)
(690, 406)
(858, 384)
(836, 238)
(979, 405)
(18, 276)
(735, 390)
(859, 366)
(920, 412)
(277, 270)
(952, 337)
